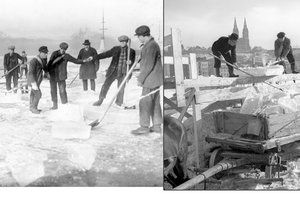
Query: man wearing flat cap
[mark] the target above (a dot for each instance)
(11, 62)
(225, 46)
(88, 70)
(117, 68)
(35, 76)
(150, 79)
(57, 67)
(284, 50)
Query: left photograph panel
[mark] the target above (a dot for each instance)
(81, 93)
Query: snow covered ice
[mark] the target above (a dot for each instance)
(46, 161)
(70, 130)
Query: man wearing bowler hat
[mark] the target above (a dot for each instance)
(117, 68)
(35, 77)
(57, 67)
(150, 79)
(88, 70)
(11, 61)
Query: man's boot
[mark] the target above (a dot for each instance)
(218, 72)
(141, 131)
(155, 129)
(54, 107)
(231, 74)
(293, 69)
(99, 102)
(35, 111)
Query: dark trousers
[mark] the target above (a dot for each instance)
(35, 96)
(227, 57)
(291, 59)
(62, 91)
(150, 108)
(105, 87)
(85, 84)
(14, 75)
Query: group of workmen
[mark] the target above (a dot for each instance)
(123, 57)
(226, 46)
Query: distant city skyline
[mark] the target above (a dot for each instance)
(202, 22)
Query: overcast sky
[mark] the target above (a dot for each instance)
(60, 18)
(203, 21)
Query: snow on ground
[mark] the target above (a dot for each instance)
(112, 156)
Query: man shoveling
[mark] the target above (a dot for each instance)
(11, 68)
(225, 46)
(35, 77)
(284, 50)
(117, 69)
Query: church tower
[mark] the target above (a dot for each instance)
(235, 28)
(245, 30)
(243, 45)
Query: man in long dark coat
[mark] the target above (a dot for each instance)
(57, 67)
(150, 79)
(284, 50)
(35, 77)
(11, 61)
(117, 68)
(88, 70)
(225, 46)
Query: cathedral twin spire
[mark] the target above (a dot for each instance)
(245, 29)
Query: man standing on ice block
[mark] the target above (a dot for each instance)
(88, 71)
(117, 68)
(35, 77)
(57, 67)
(225, 46)
(11, 62)
(150, 79)
(284, 50)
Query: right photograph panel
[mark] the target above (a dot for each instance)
(231, 95)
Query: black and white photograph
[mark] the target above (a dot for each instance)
(231, 95)
(80, 93)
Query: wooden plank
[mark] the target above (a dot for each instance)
(170, 60)
(173, 105)
(188, 103)
(199, 151)
(193, 66)
(179, 76)
(283, 141)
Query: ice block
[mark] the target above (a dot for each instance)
(70, 130)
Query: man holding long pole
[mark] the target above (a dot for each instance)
(11, 67)
(150, 79)
(117, 69)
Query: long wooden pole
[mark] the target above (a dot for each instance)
(10, 71)
(96, 122)
(127, 69)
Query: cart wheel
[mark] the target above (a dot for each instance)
(214, 159)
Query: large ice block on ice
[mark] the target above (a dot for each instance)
(67, 112)
(82, 155)
(70, 130)
(26, 165)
